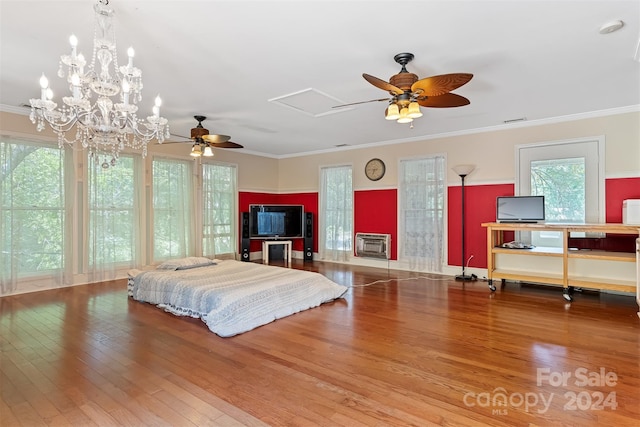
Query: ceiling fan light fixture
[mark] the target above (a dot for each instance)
(196, 151)
(392, 112)
(208, 151)
(404, 116)
(409, 92)
(414, 110)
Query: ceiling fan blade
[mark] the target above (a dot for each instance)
(180, 136)
(225, 144)
(179, 139)
(216, 139)
(381, 84)
(444, 101)
(173, 142)
(361, 102)
(439, 85)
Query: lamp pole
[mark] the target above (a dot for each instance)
(463, 171)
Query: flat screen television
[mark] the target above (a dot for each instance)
(275, 221)
(527, 209)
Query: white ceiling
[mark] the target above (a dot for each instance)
(227, 59)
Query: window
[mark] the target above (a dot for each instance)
(172, 209)
(562, 182)
(219, 213)
(421, 219)
(113, 215)
(336, 213)
(32, 211)
(570, 174)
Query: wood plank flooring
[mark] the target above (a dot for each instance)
(414, 351)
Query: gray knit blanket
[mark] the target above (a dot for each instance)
(233, 297)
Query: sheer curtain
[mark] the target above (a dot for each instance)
(219, 209)
(114, 208)
(422, 192)
(34, 215)
(173, 209)
(336, 213)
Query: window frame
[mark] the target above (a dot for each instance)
(65, 160)
(341, 254)
(135, 211)
(233, 225)
(593, 150)
(189, 218)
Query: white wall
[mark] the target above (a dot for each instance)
(491, 151)
(255, 173)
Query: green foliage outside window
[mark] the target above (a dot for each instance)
(112, 218)
(32, 210)
(562, 183)
(218, 218)
(172, 204)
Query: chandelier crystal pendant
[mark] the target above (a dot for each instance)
(104, 126)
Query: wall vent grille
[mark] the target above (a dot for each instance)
(373, 245)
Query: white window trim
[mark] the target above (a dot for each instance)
(600, 140)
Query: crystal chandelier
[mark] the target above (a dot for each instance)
(104, 127)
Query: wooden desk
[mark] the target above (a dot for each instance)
(565, 271)
(265, 249)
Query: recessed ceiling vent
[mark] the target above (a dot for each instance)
(311, 102)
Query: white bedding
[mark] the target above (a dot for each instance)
(233, 297)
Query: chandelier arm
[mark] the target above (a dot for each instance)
(59, 128)
(64, 126)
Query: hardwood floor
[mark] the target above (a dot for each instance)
(410, 352)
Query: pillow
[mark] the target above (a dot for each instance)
(185, 263)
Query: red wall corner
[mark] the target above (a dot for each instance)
(376, 211)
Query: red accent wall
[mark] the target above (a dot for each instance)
(618, 190)
(308, 200)
(376, 211)
(480, 206)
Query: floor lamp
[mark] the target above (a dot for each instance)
(463, 171)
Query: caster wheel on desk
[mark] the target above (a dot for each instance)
(566, 293)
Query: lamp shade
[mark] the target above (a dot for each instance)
(414, 110)
(208, 151)
(196, 151)
(404, 116)
(463, 170)
(392, 112)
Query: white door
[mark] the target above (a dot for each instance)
(570, 174)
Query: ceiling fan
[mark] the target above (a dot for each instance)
(203, 141)
(408, 93)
